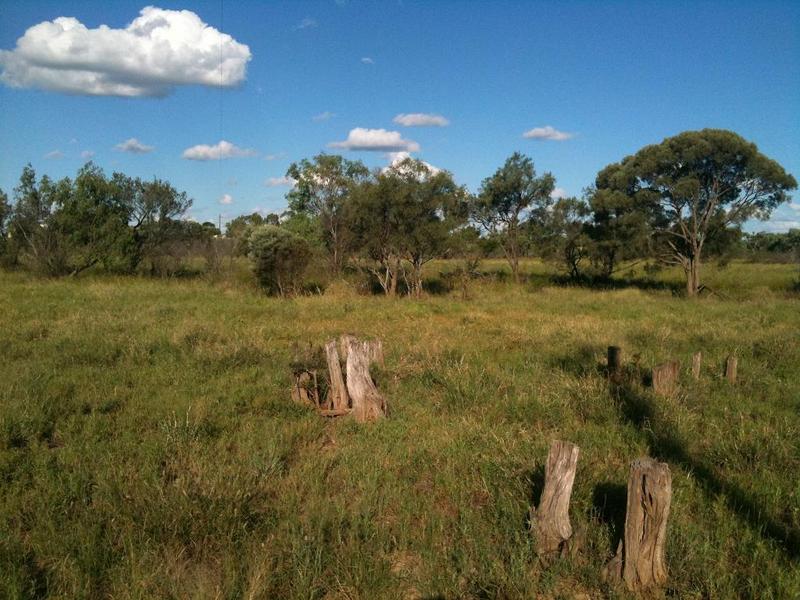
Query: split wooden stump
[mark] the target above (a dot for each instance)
(554, 532)
(351, 388)
(640, 558)
(665, 377)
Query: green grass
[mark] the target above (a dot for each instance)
(149, 446)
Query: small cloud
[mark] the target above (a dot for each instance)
(306, 24)
(780, 225)
(376, 140)
(547, 133)
(73, 140)
(794, 206)
(87, 154)
(280, 181)
(558, 193)
(134, 146)
(277, 156)
(223, 149)
(421, 120)
(323, 116)
(367, 60)
(54, 155)
(226, 199)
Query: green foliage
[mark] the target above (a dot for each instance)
(322, 190)
(510, 198)
(279, 258)
(561, 236)
(68, 226)
(692, 188)
(408, 212)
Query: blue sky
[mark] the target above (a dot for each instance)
(613, 76)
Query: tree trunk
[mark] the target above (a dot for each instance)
(368, 404)
(551, 519)
(337, 392)
(640, 558)
(693, 276)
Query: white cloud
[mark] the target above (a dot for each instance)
(376, 140)
(55, 155)
(87, 154)
(275, 156)
(421, 120)
(226, 199)
(323, 116)
(779, 225)
(159, 50)
(558, 193)
(395, 158)
(306, 24)
(367, 60)
(134, 146)
(280, 181)
(547, 133)
(794, 206)
(216, 152)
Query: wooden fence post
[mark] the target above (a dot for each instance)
(731, 364)
(697, 359)
(640, 560)
(551, 519)
(665, 377)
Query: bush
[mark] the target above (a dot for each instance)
(279, 258)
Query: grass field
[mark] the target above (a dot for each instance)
(149, 446)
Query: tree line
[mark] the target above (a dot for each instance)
(674, 203)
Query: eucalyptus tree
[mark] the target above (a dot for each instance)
(322, 189)
(693, 189)
(406, 214)
(509, 198)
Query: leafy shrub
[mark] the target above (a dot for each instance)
(279, 258)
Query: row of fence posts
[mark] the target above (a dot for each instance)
(640, 560)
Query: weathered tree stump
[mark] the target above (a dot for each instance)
(305, 389)
(731, 364)
(665, 377)
(337, 391)
(614, 361)
(367, 402)
(640, 560)
(697, 360)
(551, 519)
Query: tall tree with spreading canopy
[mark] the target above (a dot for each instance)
(693, 188)
(509, 198)
(323, 188)
(407, 213)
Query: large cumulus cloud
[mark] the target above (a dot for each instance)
(159, 50)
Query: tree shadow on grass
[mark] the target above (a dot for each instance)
(639, 411)
(536, 480)
(602, 283)
(610, 501)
